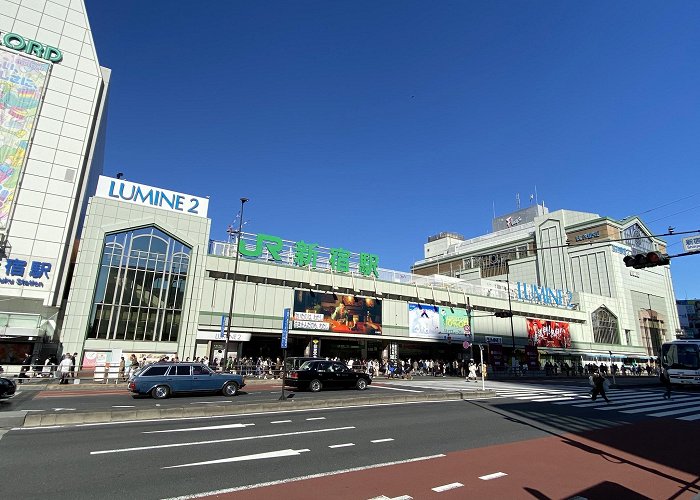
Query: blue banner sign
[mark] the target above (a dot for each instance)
(285, 327)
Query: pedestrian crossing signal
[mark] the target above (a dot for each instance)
(651, 259)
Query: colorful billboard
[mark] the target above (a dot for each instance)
(22, 83)
(337, 313)
(424, 321)
(547, 333)
(435, 322)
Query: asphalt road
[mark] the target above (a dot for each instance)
(525, 448)
(116, 399)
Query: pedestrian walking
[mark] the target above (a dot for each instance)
(64, 368)
(598, 383)
(472, 371)
(666, 380)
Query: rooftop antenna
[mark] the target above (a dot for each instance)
(494, 209)
(536, 202)
(517, 200)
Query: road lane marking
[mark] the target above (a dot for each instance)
(280, 421)
(674, 412)
(214, 441)
(394, 388)
(341, 445)
(690, 418)
(246, 415)
(625, 406)
(385, 440)
(446, 487)
(304, 478)
(384, 497)
(495, 475)
(123, 406)
(663, 406)
(316, 418)
(207, 428)
(244, 458)
(211, 402)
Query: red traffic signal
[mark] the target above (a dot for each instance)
(651, 259)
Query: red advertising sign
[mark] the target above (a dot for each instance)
(547, 333)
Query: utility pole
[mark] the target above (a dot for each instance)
(233, 284)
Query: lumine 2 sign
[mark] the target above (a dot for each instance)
(33, 48)
(306, 255)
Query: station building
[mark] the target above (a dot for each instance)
(53, 98)
(149, 280)
(573, 261)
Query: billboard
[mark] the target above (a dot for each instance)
(318, 311)
(424, 321)
(434, 322)
(22, 84)
(547, 333)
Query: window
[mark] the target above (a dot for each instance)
(605, 326)
(155, 371)
(681, 356)
(180, 370)
(200, 370)
(140, 287)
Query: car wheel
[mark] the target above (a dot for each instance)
(315, 385)
(361, 384)
(230, 389)
(160, 392)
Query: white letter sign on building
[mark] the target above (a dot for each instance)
(140, 194)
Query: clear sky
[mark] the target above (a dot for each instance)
(371, 125)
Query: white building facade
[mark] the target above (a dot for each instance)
(571, 260)
(53, 95)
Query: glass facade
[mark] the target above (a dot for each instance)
(140, 287)
(605, 327)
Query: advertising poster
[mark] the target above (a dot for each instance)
(337, 313)
(496, 356)
(547, 333)
(454, 322)
(435, 322)
(22, 83)
(424, 321)
(531, 357)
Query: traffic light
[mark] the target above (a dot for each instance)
(503, 314)
(651, 259)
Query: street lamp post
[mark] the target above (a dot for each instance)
(233, 284)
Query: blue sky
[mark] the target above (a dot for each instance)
(373, 124)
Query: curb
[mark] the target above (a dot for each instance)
(51, 419)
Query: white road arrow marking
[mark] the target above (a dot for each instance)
(257, 456)
(213, 441)
(208, 428)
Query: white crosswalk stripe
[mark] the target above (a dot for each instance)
(631, 401)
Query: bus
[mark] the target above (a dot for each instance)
(681, 361)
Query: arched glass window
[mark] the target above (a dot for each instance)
(605, 326)
(140, 287)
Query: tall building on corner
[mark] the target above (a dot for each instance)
(53, 95)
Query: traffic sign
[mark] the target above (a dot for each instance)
(285, 327)
(691, 244)
(466, 344)
(467, 329)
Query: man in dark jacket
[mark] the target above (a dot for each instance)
(598, 386)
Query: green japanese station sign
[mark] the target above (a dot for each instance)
(310, 255)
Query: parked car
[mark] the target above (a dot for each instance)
(317, 374)
(161, 380)
(7, 388)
